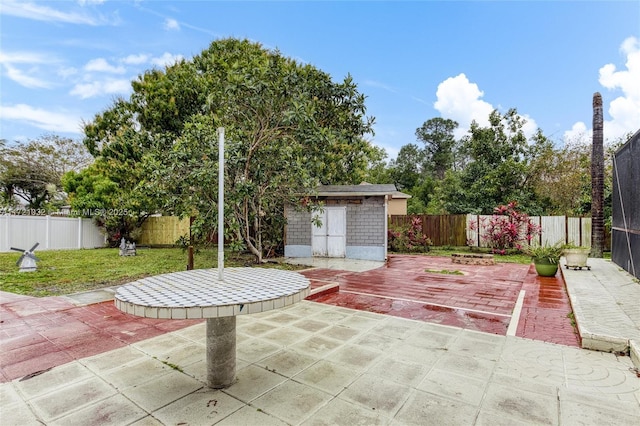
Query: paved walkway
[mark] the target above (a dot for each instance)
(606, 304)
(313, 363)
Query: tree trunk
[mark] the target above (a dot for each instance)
(597, 180)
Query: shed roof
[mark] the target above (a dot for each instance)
(365, 189)
(400, 195)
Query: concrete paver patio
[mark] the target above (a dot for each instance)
(318, 363)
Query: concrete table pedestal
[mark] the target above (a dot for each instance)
(199, 294)
(221, 352)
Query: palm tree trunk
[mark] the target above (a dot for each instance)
(597, 179)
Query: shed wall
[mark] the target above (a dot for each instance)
(365, 227)
(298, 228)
(365, 223)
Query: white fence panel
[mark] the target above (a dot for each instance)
(553, 229)
(484, 220)
(573, 230)
(22, 232)
(91, 236)
(473, 230)
(579, 231)
(63, 233)
(535, 239)
(51, 232)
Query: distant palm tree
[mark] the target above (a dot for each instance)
(597, 180)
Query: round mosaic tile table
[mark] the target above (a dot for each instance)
(200, 294)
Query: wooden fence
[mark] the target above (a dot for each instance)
(163, 230)
(456, 230)
(443, 230)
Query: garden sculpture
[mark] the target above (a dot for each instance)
(27, 261)
(126, 248)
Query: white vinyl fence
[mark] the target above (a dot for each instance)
(562, 229)
(53, 233)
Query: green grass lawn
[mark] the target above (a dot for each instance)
(70, 271)
(507, 258)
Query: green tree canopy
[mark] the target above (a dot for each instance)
(440, 143)
(497, 170)
(288, 127)
(31, 171)
(109, 201)
(408, 167)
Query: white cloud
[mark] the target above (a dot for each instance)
(136, 59)
(23, 58)
(530, 126)
(25, 80)
(578, 132)
(624, 110)
(171, 25)
(66, 72)
(100, 88)
(379, 85)
(37, 12)
(166, 59)
(422, 101)
(101, 65)
(43, 119)
(460, 100)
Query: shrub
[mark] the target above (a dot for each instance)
(408, 238)
(506, 229)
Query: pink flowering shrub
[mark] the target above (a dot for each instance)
(506, 229)
(408, 238)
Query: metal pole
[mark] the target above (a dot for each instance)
(221, 203)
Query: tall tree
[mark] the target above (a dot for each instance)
(288, 127)
(407, 168)
(597, 179)
(439, 141)
(378, 170)
(31, 171)
(110, 200)
(497, 169)
(561, 178)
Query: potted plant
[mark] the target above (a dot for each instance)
(576, 256)
(545, 258)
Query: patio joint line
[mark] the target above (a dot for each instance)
(427, 303)
(515, 318)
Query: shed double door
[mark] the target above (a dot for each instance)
(330, 238)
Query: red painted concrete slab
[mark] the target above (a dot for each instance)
(482, 299)
(40, 333)
(546, 311)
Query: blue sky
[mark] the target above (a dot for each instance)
(61, 62)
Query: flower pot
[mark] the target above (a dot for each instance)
(576, 258)
(544, 268)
